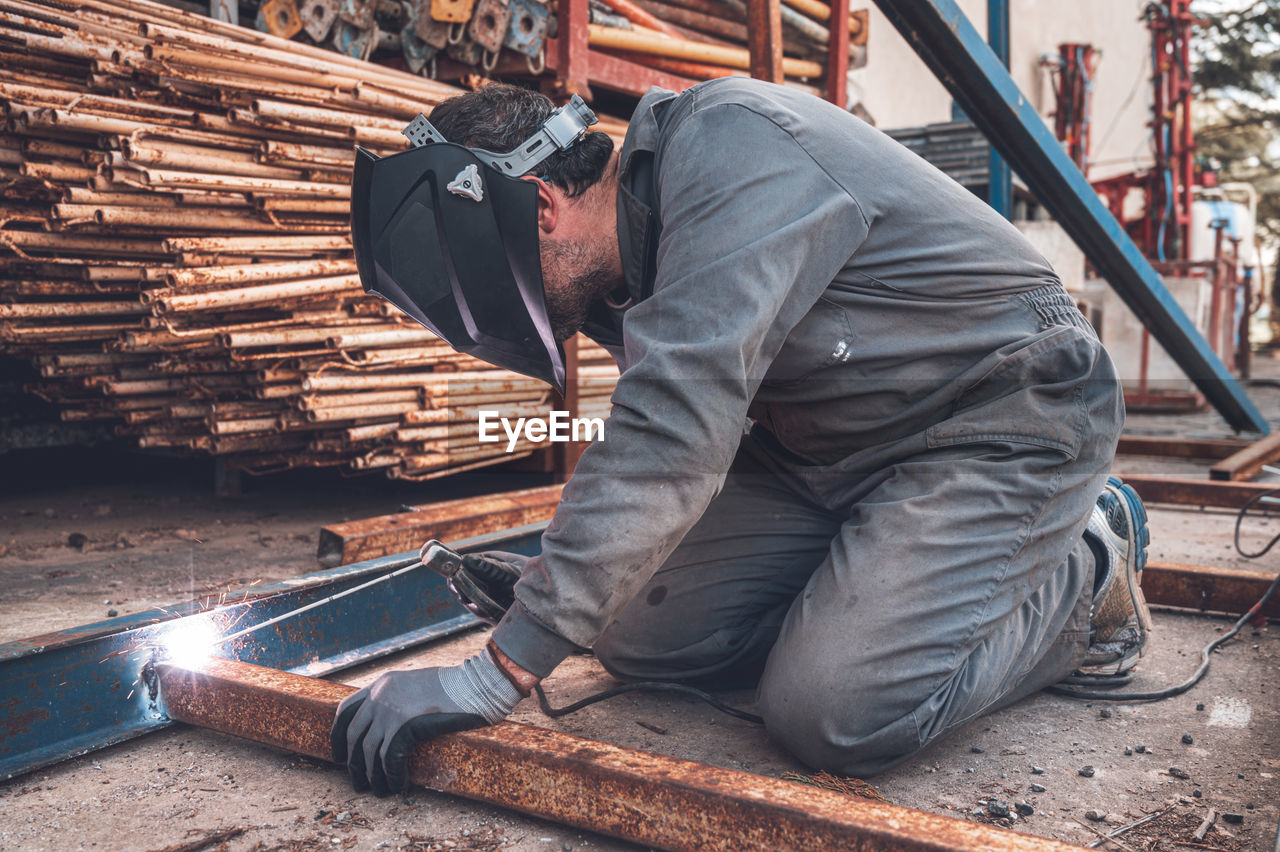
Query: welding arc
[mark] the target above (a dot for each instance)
(411, 564)
(1104, 694)
(405, 568)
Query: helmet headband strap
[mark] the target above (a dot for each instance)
(558, 132)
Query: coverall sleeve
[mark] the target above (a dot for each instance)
(753, 231)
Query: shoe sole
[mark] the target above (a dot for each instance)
(1142, 538)
(1138, 513)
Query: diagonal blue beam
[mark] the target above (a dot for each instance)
(964, 63)
(999, 177)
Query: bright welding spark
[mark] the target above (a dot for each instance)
(190, 641)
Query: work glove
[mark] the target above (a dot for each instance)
(484, 583)
(376, 728)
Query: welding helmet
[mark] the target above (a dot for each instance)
(449, 235)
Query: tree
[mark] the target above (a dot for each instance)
(1236, 54)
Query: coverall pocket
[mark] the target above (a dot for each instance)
(1034, 395)
(822, 338)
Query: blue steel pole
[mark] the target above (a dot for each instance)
(1000, 177)
(965, 64)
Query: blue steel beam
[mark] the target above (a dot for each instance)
(68, 693)
(999, 176)
(965, 64)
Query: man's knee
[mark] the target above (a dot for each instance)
(839, 727)
(625, 654)
(649, 650)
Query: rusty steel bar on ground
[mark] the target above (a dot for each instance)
(369, 538)
(1200, 492)
(1207, 588)
(1179, 448)
(1249, 461)
(355, 541)
(664, 802)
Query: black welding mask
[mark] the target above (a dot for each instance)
(449, 235)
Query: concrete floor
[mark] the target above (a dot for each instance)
(154, 534)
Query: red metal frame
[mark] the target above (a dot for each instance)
(1170, 27)
(764, 39)
(572, 55)
(608, 72)
(1228, 338)
(1073, 74)
(838, 55)
(577, 67)
(1163, 229)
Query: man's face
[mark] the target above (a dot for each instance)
(574, 274)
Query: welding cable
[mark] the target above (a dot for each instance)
(1168, 201)
(1244, 510)
(1157, 78)
(1160, 694)
(644, 686)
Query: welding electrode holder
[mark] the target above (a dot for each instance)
(482, 583)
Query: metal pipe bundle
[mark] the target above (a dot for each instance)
(704, 39)
(174, 250)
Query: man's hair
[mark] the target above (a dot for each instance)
(499, 117)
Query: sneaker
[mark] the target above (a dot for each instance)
(1119, 619)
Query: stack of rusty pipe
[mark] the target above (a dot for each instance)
(175, 257)
(704, 39)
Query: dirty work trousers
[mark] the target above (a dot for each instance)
(880, 605)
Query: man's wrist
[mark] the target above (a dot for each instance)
(530, 644)
(523, 680)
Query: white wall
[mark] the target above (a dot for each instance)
(898, 90)
(895, 86)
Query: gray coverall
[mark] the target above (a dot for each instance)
(858, 435)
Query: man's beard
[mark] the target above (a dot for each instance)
(573, 276)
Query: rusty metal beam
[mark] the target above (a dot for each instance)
(1179, 448)
(448, 521)
(838, 56)
(764, 39)
(1197, 492)
(68, 693)
(1207, 588)
(1248, 462)
(659, 801)
(573, 61)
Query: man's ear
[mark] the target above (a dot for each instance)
(548, 205)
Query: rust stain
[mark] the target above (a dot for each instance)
(660, 801)
(20, 724)
(1195, 492)
(452, 520)
(1203, 587)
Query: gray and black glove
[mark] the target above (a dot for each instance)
(484, 583)
(376, 728)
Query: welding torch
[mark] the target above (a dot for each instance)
(481, 585)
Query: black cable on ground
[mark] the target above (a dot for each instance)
(1103, 694)
(644, 686)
